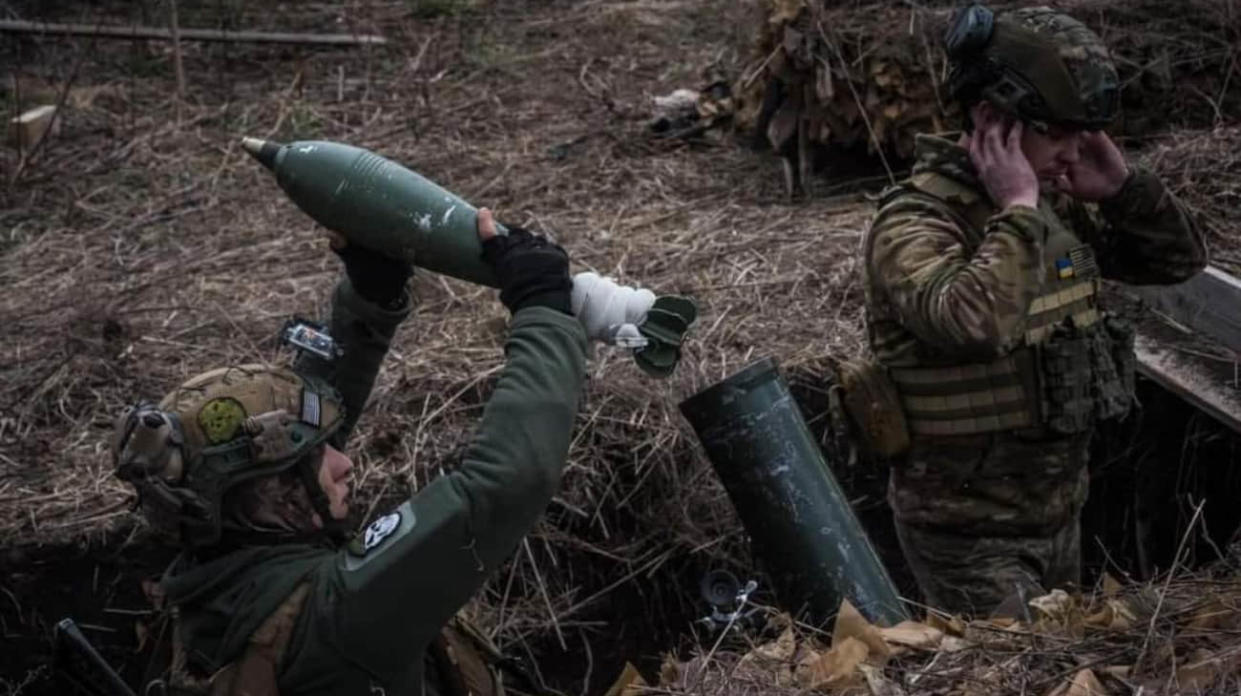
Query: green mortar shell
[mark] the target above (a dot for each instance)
(802, 527)
(376, 203)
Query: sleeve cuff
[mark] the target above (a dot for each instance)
(1136, 195)
(370, 312)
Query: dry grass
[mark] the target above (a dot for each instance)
(138, 250)
(1173, 636)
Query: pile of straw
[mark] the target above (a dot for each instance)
(874, 74)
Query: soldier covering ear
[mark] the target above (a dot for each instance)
(982, 272)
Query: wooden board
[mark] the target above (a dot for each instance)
(1209, 303)
(1189, 344)
(1187, 375)
(162, 34)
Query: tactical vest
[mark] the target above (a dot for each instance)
(1074, 365)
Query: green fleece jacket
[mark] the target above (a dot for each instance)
(377, 604)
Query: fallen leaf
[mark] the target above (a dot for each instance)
(785, 11)
(954, 644)
(628, 683)
(951, 625)
(835, 668)
(851, 624)
(669, 670)
(1120, 672)
(1204, 672)
(1219, 612)
(913, 635)
(1083, 683)
(878, 684)
(1111, 586)
(1056, 606)
(778, 650)
(1115, 615)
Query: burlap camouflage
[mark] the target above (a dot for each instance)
(950, 280)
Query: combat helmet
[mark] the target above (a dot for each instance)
(217, 430)
(1037, 64)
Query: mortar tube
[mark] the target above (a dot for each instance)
(802, 528)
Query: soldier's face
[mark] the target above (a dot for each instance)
(334, 478)
(1052, 153)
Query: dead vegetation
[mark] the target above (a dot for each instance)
(141, 246)
(1172, 637)
(845, 75)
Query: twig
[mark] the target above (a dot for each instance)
(543, 591)
(17, 26)
(176, 57)
(1163, 593)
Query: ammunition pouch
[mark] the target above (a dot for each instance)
(1066, 371)
(970, 399)
(1119, 344)
(1081, 373)
(873, 407)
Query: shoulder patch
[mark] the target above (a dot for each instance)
(220, 419)
(375, 533)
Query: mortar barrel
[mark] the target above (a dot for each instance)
(802, 528)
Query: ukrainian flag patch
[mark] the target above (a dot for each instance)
(1064, 268)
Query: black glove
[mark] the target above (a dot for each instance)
(531, 270)
(377, 278)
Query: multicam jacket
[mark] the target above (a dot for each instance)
(951, 280)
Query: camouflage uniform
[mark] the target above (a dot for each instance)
(951, 280)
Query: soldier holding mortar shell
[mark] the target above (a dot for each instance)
(246, 468)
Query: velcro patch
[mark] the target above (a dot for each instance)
(1083, 261)
(220, 419)
(375, 533)
(312, 412)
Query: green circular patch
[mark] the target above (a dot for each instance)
(220, 419)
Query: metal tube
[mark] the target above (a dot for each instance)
(802, 528)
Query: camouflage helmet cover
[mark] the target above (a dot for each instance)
(216, 430)
(1038, 64)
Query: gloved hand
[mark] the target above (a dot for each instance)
(531, 270)
(377, 278)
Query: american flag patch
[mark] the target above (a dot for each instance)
(310, 408)
(1081, 257)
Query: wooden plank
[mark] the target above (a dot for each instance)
(1208, 383)
(1209, 303)
(18, 26)
(26, 130)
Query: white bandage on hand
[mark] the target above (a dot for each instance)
(609, 312)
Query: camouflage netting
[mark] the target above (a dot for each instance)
(849, 76)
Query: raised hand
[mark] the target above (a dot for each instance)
(995, 150)
(1099, 172)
